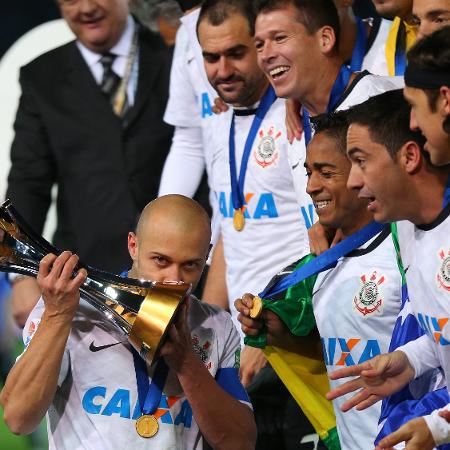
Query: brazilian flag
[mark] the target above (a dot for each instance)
(304, 373)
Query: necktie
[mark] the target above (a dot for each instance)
(110, 81)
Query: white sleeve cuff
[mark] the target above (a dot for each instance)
(421, 355)
(439, 427)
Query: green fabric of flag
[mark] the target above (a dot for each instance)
(294, 309)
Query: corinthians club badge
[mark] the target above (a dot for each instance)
(443, 276)
(266, 153)
(368, 300)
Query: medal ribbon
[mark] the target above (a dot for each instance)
(121, 94)
(326, 260)
(237, 185)
(446, 200)
(337, 90)
(149, 394)
(359, 51)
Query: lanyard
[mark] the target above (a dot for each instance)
(446, 200)
(121, 94)
(337, 90)
(237, 185)
(359, 51)
(326, 260)
(149, 394)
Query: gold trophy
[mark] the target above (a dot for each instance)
(143, 310)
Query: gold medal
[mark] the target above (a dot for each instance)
(238, 219)
(147, 426)
(257, 307)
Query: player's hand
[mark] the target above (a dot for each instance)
(277, 332)
(177, 350)
(60, 290)
(219, 106)
(249, 326)
(294, 125)
(445, 414)
(252, 361)
(379, 377)
(415, 434)
(320, 237)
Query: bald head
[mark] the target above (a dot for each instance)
(172, 240)
(175, 211)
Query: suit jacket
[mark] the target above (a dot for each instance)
(106, 169)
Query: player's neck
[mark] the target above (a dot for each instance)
(255, 97)
(427, 200)
(317, 95)
(357, 223)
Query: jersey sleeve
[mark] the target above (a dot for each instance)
(182, 107)
(421, 355)
(185, 163)
(439, 427)
(31, 326)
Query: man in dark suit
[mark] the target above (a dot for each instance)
(106, 164)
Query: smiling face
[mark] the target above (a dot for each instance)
(376, 176)
(98, 24)
(430, 123)
(230, 60)
(328, 169)
(430, 15)
(287, 52)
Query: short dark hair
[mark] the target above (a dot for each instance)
(218, 11)
(387, 117)
(432, 53)
(312, 14)
(334, 126)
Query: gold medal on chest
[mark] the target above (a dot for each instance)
(147, 426)
(238, 219)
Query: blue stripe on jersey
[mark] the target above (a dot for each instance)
(228, 379)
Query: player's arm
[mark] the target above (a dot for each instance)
(32, 382)
(185, 163)
(225, 422)
(215, 291)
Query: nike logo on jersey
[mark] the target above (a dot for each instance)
(94, 348)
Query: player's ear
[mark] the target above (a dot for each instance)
(327, 39)
(133, 246)
(411, 157)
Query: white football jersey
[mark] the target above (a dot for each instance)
(274, 232)
(356, 305)
(96, 403)
(425, 252)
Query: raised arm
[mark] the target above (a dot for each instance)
(32, 382)
(225, 422)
